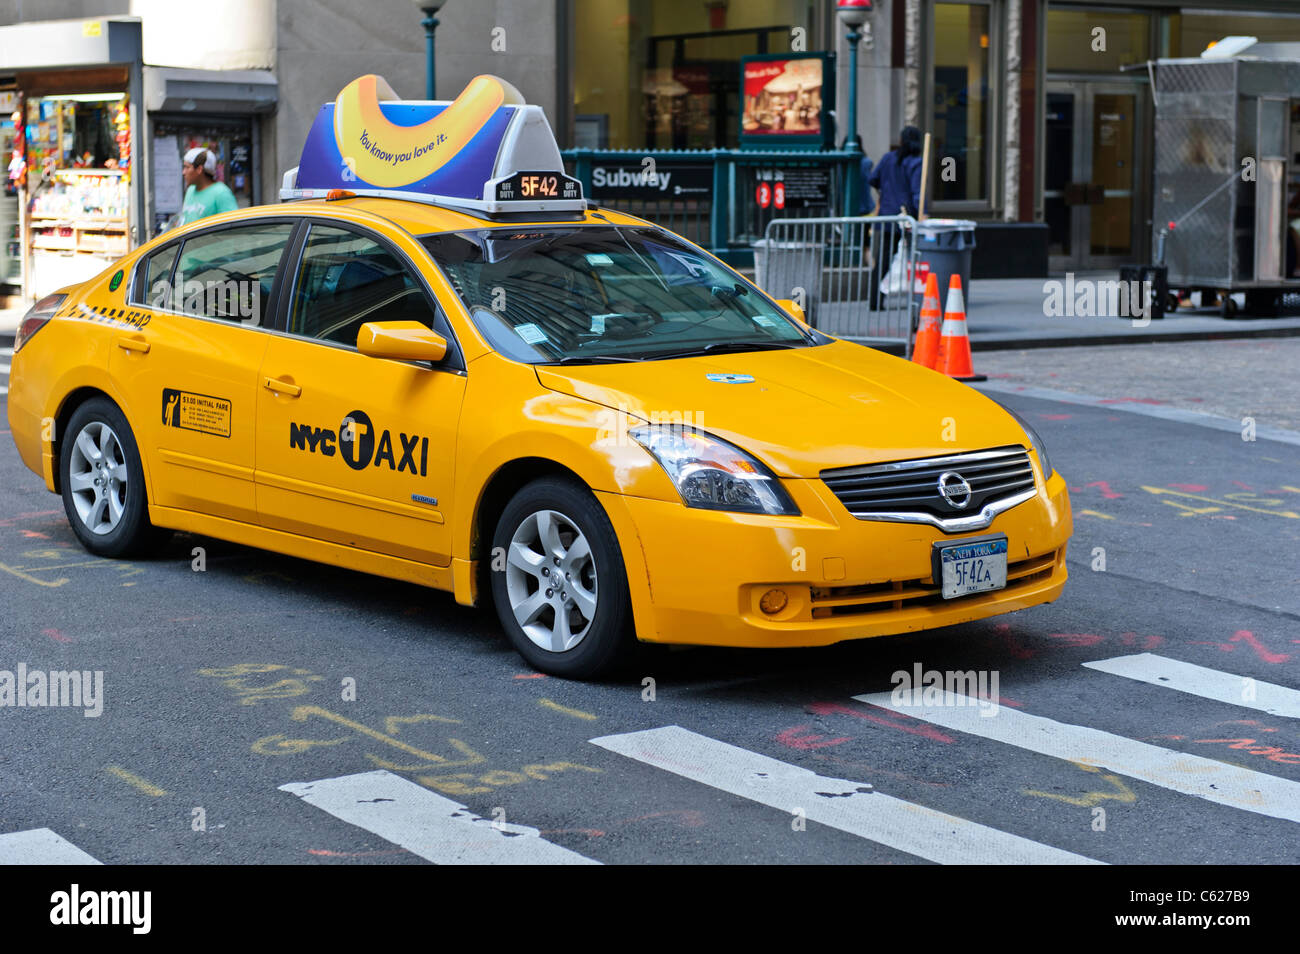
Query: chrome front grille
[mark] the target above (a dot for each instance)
(956, 493)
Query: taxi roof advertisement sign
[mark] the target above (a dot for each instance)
(360, 142)
(788, 99)
(466, 152)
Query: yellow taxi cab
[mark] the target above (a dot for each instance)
(441, 364)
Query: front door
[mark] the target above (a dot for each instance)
(353, 449)
(1092, 169)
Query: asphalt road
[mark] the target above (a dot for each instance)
(222, 686)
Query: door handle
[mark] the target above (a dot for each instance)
(281, 387)
(133, 344)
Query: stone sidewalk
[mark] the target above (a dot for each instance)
(1254, 377)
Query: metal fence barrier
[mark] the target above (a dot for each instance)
(853, 276)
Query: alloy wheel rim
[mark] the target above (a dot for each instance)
(97, 478)
(551, 581)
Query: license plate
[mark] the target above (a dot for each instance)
(967, 568)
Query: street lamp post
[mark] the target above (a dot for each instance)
(853, 14)
(430, 9)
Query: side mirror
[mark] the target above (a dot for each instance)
(401, 340)
(792, 309)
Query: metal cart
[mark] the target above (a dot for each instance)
(1227, 139)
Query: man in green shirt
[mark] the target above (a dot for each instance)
(204, 196)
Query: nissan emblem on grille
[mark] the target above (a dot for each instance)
(956, 492)
(954, 489)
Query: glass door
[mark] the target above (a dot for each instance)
(1091, 169)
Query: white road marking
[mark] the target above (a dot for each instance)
(40, 846)
(1206, 683)
(4, 390)
(1205, 778)
(1164, 412)
(849, 806)
(6, 352)
(429, 825)
(4, 369)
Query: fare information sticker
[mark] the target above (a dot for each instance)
(196, 412)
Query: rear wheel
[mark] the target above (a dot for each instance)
(561, 589)
(103, 482)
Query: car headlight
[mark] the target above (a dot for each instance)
(1039, 447)
(712, 474)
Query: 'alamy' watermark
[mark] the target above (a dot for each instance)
(934, 687)
(71, 689)
(103, 907)
(233, 299)
(1092, 298)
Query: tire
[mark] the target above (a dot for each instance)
(584, 627)
(112, 520)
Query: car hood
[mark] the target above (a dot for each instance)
(807, 409)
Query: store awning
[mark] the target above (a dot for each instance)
(49, 44)
(172, 90)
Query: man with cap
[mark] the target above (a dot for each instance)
(204, 196)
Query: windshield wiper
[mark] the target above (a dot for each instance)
(590, 359)
(725, 347)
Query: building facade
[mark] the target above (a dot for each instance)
(1040, 112)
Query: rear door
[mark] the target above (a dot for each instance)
(189, 376)
(353, 449)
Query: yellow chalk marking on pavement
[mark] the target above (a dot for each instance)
(393, 724)
(135, 781)
(1096, 513)
(31, 579)
(303, 713)
(64, 566)
(1226, 503)
(576, 713)
(1122, 792)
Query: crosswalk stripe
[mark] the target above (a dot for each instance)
(849, 806)
(6, 352)
(1200, 681)
(429, 825)
(4, 390)
(41, 846)
(1190, 774)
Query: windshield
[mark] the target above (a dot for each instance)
(605, 293)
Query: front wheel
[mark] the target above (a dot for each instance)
(103, 482)
(558, 581)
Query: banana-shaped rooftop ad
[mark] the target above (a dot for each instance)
(487, 151)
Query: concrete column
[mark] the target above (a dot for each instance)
(913, 42)
(1011, 113)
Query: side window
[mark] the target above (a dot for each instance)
(346, 280)
(228, 273)
(154, 287)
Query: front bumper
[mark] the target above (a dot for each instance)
(697, 576)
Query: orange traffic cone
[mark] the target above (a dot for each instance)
(925, 351)
(954, 344)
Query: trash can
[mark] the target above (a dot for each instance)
(781, 268)
(943, 248)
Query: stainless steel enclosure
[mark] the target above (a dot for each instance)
(1225, 161)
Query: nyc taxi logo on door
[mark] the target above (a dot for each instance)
(354, 441)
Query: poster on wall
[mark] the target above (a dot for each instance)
(167, 179)
(787, 100)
